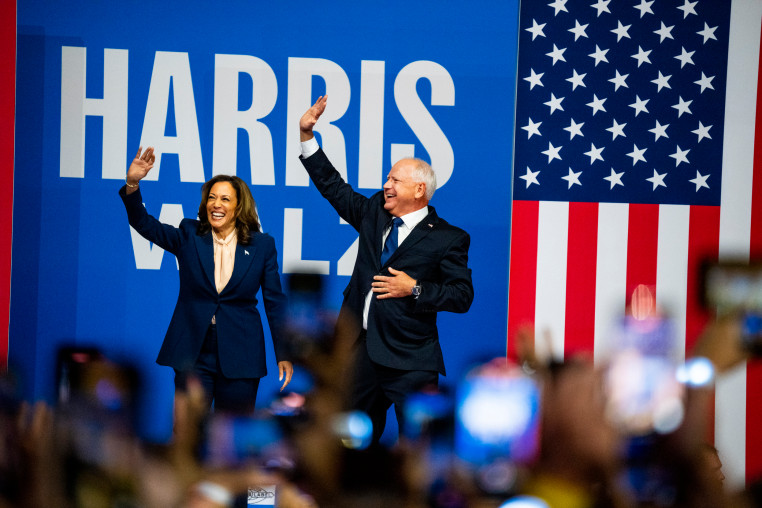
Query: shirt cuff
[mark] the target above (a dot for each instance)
(309, 147)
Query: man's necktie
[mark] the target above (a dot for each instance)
(391, 241)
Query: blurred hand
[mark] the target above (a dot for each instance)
(190, 409)
(291, 497)
(721, 343)
(285, 369)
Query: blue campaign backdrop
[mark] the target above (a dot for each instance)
(209, 84)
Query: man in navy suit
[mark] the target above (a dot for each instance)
(410, 265)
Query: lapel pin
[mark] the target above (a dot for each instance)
(246, 252)
(431, 225)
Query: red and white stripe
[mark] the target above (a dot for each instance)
(737, 415)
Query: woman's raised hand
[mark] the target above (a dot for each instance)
(141, 165)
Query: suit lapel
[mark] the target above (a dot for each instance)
(205, 248)
(244, 255)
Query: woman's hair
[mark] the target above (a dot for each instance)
(246, 218)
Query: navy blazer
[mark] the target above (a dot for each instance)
(240, 335)
(402, 332)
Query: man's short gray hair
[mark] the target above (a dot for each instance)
(425, 174)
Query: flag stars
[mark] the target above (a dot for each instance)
(558, 6)
(661, 82)
(642, 56)
(659, 131)
(702, 132)
(657, 180)
(685, 57)
(599, 55)
(688, 8)
(554, 103)
(530, 177)
(552, 152)
(597, 104)
(576, 79)
(665, 32)
(663, 51)
(558, 54)
(536, 29)
(639, 105)
(578, 30)
(707, 33)
(619, 81)
(637, 154)
(700, 181)
(683, 107)
(617, 129)
(574, 129)
(572, 178)
(534, 79)
(601, 6)
(532, 128)
(614, 178)
(705, 82)
(621, 31)
(645, 7)
(680, 156)
(594, 153)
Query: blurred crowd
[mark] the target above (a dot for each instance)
(525, 433)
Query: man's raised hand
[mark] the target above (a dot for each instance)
(310, 118)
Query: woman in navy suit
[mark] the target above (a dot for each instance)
(224, 260)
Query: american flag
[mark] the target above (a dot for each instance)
(634, 161)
